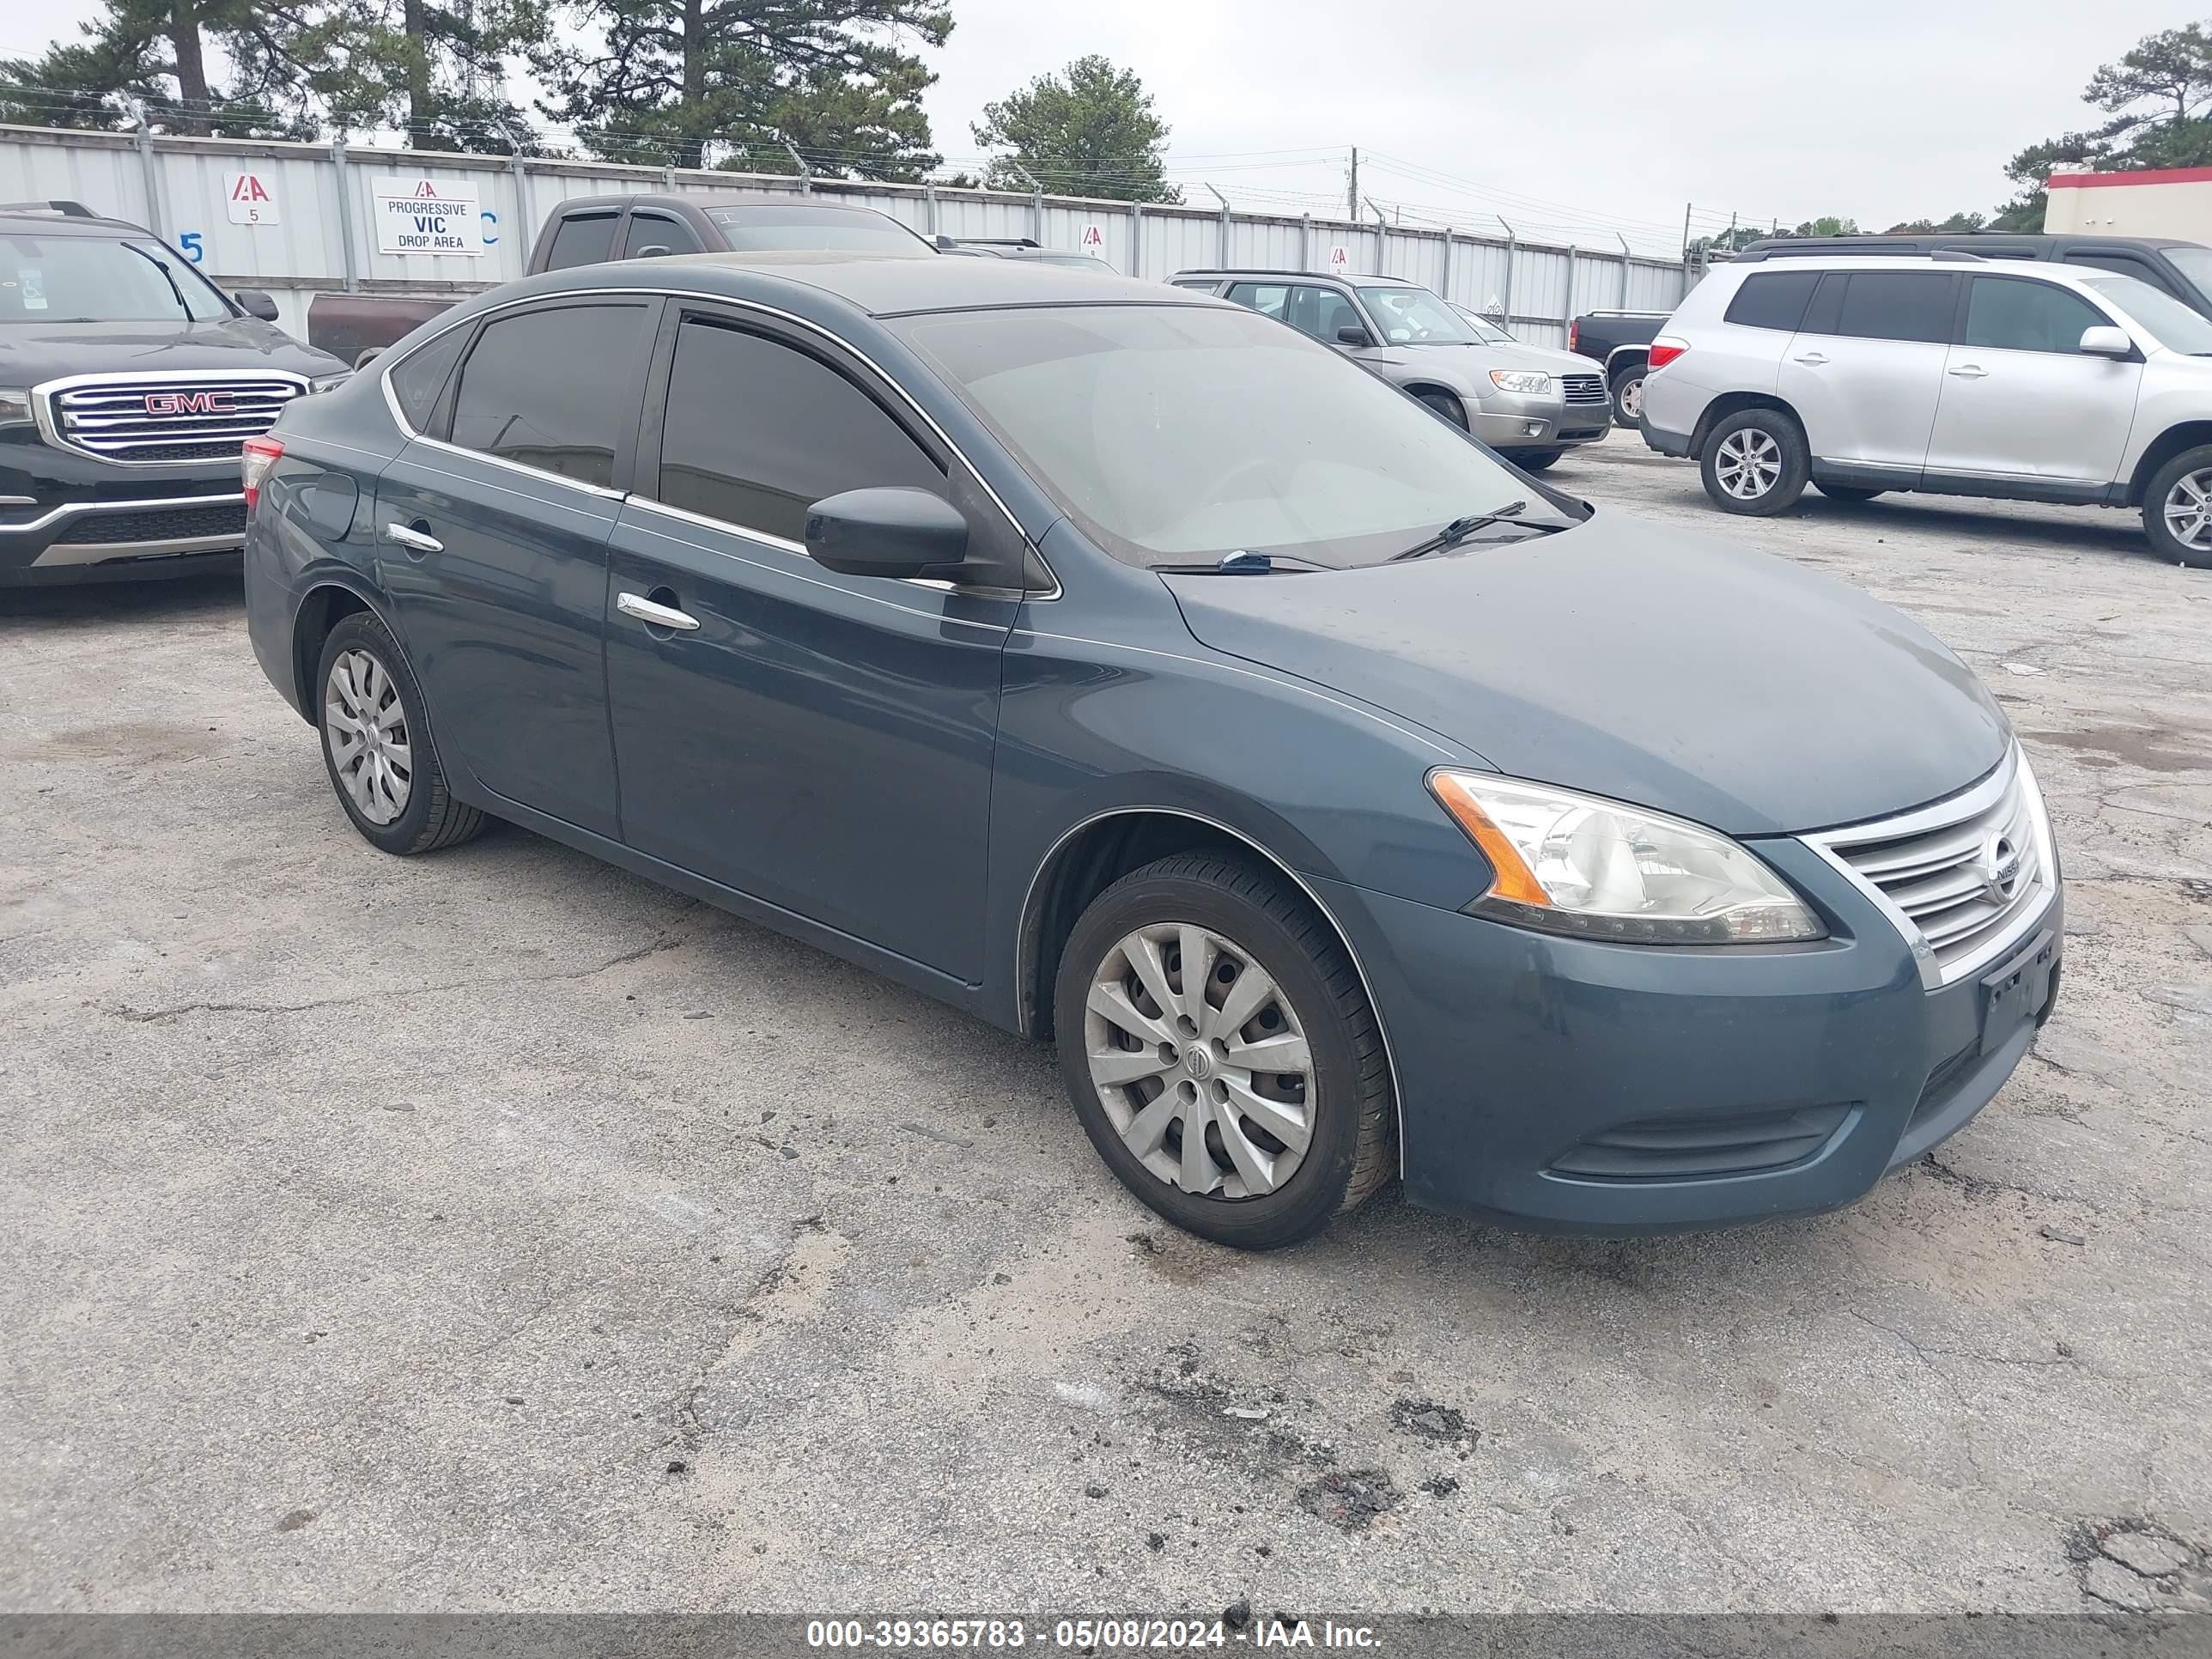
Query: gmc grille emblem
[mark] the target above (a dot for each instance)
(190, 403)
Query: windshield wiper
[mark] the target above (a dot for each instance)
(1241, 563)
(1460, 529)
(166, 276)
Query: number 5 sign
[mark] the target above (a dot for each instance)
(251, 201)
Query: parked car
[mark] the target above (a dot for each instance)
(127, 383)
(1122, 668)
(592, 230)
(2181, 269)
(1943, 372)
(1529, 404)
(1621, 340)
(1481, 327)
(1026, 248)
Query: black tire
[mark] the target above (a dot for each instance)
(1446, 405)
(1352, 1152)
(2164, 483)
(1767, 432)
(431, 817)
(1532, 460)
(1852, 493)
(1626, 385)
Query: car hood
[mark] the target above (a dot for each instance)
(1466, 364)
(32, 352)
(1637, 662)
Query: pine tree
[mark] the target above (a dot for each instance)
(436, 70)
(1089, 130)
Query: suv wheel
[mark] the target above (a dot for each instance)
(1755, 462)
(1628, 395)
(377, 745)
(2178, 509)
(1221, 1053)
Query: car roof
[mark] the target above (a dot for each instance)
(1988, 242)
(878, 284)
(48, 222)
(2034, 269)
(782, 198)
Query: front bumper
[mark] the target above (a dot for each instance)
(68, 517)
(1508, 421)
(1569, 1085)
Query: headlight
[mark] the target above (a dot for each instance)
(15, 405)
(330, 382)
(1582, 864)
(1520, 380)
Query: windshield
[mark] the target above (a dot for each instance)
(2195, 263)
(1414, 316)
(1183, 434)
(826, 230)
(1482, 328)
(2173, 324)
(98, 279)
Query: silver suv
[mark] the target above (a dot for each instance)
(1948, 373)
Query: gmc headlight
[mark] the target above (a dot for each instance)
(329, 382)
(1520, 380)
(1568, 863)
(15, 405)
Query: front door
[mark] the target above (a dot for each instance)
(2021, 400)
(1866, 366)
(821, 742)
(492, 541)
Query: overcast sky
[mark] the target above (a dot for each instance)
(1609, 115)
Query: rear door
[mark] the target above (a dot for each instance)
(2020, 400)
(1866, 366)
(492, 541)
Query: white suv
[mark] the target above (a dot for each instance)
(1947, 372)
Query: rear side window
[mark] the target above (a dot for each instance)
(1265, 298)
(584, 239)
(1773, 299)
(419, 382)
(544, 389)
(652, 233)
(1321, 312)
(1897, 305)
(757, 432)
(2010, 314)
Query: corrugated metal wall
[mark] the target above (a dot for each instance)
(325, 235)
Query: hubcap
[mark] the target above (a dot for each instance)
(1631, 397)
(371, 749)
(1200, 1061)
(1747, 463)
(2189, 509)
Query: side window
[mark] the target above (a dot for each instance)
(2010, 314)
(418, 380)
(757, 432)
(1321, 312)
(584, 239)
(1899, 305)
(542, 389)
(654, 233)
(1265, 298)
(1773, 299)
(2126, 264)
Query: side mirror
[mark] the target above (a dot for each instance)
(368, 356)
(887, 533)
(255, 303)
(1352, 335)
(2105, 340)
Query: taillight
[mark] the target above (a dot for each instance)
(1575, 335)
(259, 457)
(1665, 350)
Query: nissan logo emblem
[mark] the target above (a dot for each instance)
(1998, 866)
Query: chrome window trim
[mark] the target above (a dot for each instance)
(384, 365)
(150, 503)
(50, 432)
(1970, 802)
(1023, 967)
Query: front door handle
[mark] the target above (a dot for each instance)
(414, 540)
(1970, 372)
(657, 616)
(1814, 358)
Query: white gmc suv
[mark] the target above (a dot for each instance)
(1947, 372)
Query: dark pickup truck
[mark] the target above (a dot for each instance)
(1620, 340)
(592, 230)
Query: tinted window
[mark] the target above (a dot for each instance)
(1773, 299)
(757, 432)
(1321, 312)
(544, 388)
(584, 239)
(417, 381)
(654, 230)
(1897, 305)
(2126, 264)
(2012, 315)
(1268, 299)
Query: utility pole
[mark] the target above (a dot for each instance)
(1685, 235)
(1351, 189)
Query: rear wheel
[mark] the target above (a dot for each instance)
(1755, 462)
(2178, 509)
(1221, 1053)
(1446, 405)
(1628, 395)
(1847, 492)
(377, 745)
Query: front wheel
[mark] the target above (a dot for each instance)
(1221, 1052)
(1446, 405)
(1852, 493)
(1532, 460)
(1628, 396)
(2178, 509)
(1755, 462)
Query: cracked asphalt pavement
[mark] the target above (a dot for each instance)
(493, 1230)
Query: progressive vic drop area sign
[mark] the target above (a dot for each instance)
(426, 215)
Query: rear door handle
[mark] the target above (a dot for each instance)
(659, 616)
(1970, 372)
(1813, 357)
(414, 540)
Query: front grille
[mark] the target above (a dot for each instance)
(172, 524)
(1584, 388)
(1682, 1148)
(1967, 875)
(168, 418)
